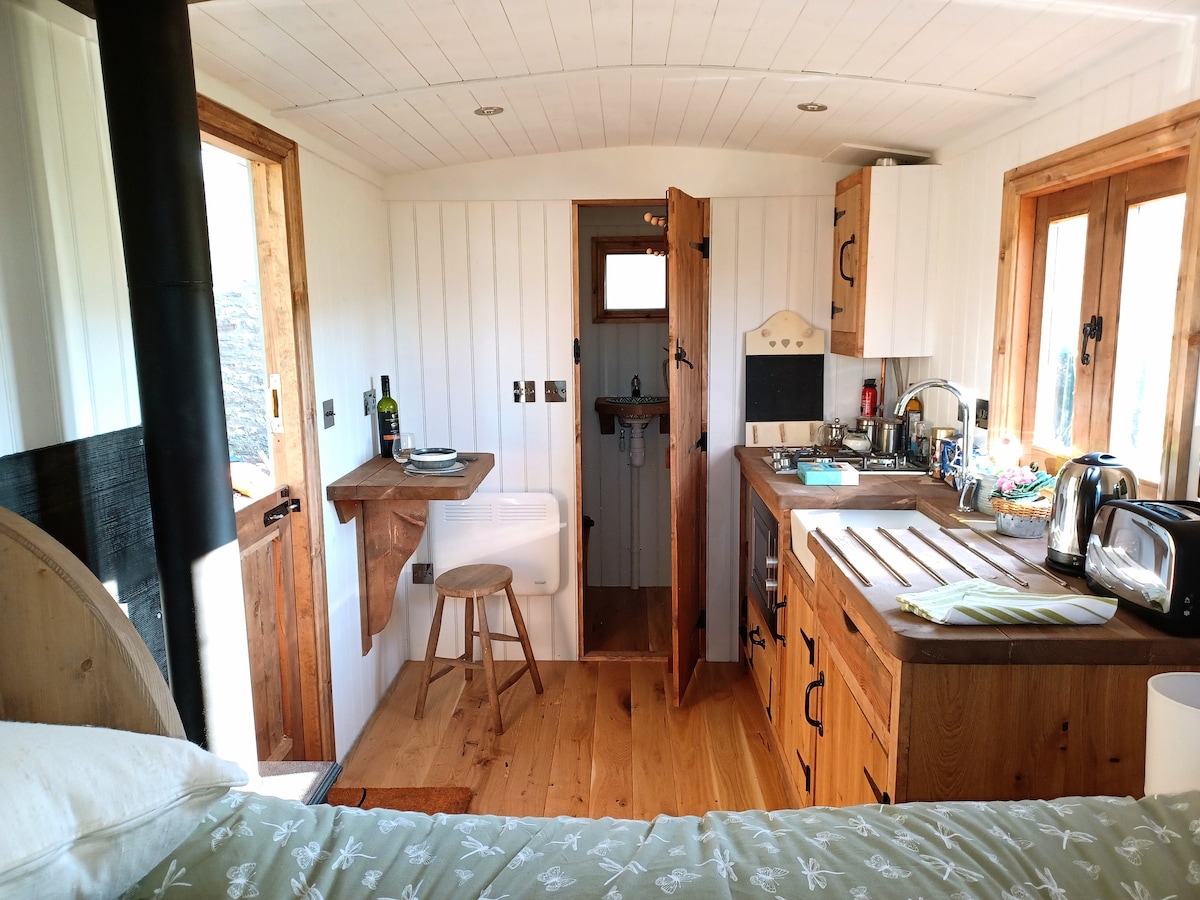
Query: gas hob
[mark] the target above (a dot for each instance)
(783, 460)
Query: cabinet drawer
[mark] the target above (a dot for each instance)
(762, 654)
(864, 667)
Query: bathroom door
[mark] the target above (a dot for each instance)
(687, 302)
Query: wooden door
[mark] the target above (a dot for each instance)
(849, 247)
(292, 416)
(851, 762)
(265, 541)
(687, 302)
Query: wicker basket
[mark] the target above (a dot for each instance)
(1039, 509)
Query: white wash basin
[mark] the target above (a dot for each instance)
(805, 520)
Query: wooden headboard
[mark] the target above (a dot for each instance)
(68, 654)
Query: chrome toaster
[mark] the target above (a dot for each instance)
(1147, 554)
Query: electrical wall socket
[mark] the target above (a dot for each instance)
(981, 414)
(369, 401)
(422, 573)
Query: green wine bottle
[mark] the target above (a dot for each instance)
(389, 417)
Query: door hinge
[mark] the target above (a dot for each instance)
(702, 620)
(575, 351)
(701, 245)
(275, 513)
(701, 442)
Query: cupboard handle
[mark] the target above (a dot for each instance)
(842, 261)
(813, 685)
(807, 769)
(757, 641)
(811, 644)
(880, 796)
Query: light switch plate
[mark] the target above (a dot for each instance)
(422, 573)
(327, 413)
(524, 392)
(556, 391)
(369, 401)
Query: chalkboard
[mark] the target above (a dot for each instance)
(93, 497)
(785, 388)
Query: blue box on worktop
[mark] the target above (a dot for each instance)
(826, 473)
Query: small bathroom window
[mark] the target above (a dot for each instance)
(630, 283)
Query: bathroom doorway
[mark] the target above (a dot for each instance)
(627, 548)
(665, 483)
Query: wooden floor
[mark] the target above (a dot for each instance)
(622, 621)
(603, 739)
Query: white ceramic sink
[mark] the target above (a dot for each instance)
(805, 520)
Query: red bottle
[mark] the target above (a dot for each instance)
(870, 398)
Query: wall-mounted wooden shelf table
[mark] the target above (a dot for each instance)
(390, 508)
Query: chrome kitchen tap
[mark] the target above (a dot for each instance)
(964, 471)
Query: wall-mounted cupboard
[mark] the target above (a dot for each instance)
(884, 252)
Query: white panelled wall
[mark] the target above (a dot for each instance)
(482, 298)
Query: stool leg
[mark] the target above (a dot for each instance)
(523, 634)
(489, 668)
(435, 631)
(469, 631)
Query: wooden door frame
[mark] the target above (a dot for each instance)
(1168, 135)
(227, 128)
(580, 573)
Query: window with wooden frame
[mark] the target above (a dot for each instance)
(1097, 317)
(629, 279)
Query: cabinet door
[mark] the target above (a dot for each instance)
(762, 657)
(849, 252)
(852, 763)
(797, 737)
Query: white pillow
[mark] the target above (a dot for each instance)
(88, 811)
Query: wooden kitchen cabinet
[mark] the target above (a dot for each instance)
(762, 656)
(884, 252)
(851, 759)
(797, 738)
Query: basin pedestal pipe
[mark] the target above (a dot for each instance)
(964, 469)
(637, 459)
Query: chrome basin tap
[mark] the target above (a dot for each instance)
(964, 466)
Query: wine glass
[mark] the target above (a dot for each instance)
(402, 446)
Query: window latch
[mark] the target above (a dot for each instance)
(1094, 329)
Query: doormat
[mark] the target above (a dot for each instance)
(428, 800)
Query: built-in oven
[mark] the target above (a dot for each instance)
(764, 561)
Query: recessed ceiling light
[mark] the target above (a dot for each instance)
(489, 110)
(811, 107)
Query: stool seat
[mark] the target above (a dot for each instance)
(475, 583)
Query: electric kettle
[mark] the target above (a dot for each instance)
(1084, 485)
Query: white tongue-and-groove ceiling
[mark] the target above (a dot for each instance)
(395, 82)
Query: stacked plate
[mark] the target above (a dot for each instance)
(434, 461)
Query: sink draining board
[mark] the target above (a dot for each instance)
(805, 520)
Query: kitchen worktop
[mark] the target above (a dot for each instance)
(1125, 640)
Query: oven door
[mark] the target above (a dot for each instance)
(764, 557)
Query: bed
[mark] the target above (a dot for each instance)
(105, 799)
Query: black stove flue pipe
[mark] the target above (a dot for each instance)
(150, 92)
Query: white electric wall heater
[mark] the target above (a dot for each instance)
(515, 530)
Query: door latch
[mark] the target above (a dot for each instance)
(1094, 329)
(275, 513)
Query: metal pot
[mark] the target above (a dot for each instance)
(831, 434)
(868, 425)
(1084, 485)
(857, 441)
(888, 435)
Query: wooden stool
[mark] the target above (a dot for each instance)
(476, 583)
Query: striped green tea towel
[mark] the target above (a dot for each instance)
(982, 602)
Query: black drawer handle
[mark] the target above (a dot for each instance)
(880, 796)
(807, 769)
(812, 686)
(757, 641)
